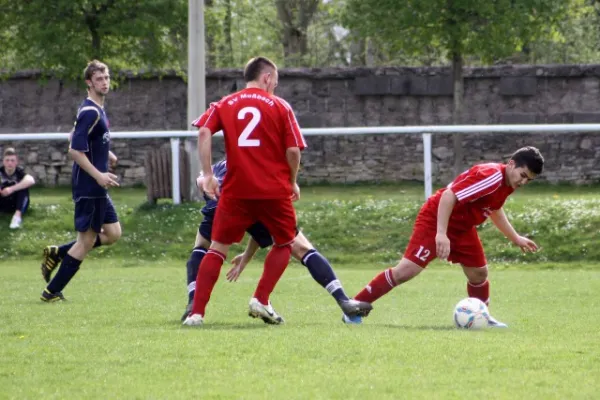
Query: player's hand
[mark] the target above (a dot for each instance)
(7, 191)
(526, 245)
(295, 192)
(106, 180)
(442, 246)
(210, 186)
(239, 263)
(112, 160)
(199, 181)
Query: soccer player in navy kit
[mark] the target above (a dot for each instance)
(317, 265)
(96, 220)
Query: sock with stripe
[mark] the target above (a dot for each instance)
(379, 286)
(67, 270)
(192, 266)
(323, 274)
(480, 291)
(275, 264)
(208, 274)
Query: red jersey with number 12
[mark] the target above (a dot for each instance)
(479, 191)
(258, 128)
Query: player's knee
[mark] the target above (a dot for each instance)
(405, 271)
(299, 250)
(112, 235)
(87, 242)
(477, 275)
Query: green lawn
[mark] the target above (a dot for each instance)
(350, 224)
(119, 336)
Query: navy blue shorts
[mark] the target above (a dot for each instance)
(258, 231)
(93, 213)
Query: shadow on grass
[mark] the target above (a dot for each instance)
(420, 327)
(225, 326)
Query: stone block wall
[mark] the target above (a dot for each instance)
(337, 97)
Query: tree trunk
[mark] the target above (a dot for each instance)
(295, 16)
(228, 51)
(210, 55)
(457, 111)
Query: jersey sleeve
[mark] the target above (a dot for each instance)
(210, 119)
(87, 118)
(476, 183)
(293, 136)
(20, 174)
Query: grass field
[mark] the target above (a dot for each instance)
(119, 335)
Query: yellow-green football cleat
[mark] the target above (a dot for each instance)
(51, 297)
(51, 261)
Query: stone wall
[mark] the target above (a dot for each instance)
(335, 98)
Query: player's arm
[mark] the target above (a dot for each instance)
(442, 243)
(79, 146)
(104, 179)
(24, 183)
(294, 143)
(292, 154)
(501, 221)
(240, 261)
(208, 124)
(112, 159)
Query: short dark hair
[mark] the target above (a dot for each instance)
(529, 157)
(9, 151)
(93, 66)
(255, 66)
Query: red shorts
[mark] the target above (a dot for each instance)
(465, 247)
(234, 216)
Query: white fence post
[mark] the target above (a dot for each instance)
(427, 164)
(175, 170)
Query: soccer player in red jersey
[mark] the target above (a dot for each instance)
(262, 144)
(446, 226)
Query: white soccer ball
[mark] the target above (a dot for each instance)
(471, 313)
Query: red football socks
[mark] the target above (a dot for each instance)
(207, 277)
(379, 286)
(480, 291)
(275, 264)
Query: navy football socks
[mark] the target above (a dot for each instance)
(321, 271)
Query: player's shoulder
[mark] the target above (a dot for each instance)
(88, 107)
(281, 102)
(486, 169)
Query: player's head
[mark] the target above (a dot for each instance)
(97, 78)
(10, 160)
(524, 165)
(262, 73)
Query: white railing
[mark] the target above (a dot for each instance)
(426, 131)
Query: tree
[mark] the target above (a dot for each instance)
(295, 17)
(461, 28)
(62, 35)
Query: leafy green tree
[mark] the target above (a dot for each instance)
(461, 28)
(60, 36)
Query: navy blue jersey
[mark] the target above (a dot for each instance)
(12, 179)
(92, 137)
(219, 171)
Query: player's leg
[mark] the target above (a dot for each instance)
(230, 223)
(21, 206)
(201, 246)
(466, 249)
(110, 232)
(279, 217)
(69, 266)
(419, 253)
(320, 269)
(89, 218)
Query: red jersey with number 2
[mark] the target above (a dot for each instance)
(258, 128)
(479, 191)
